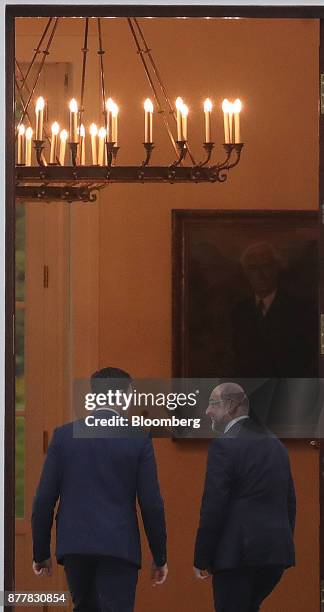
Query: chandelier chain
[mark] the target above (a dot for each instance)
(37, 51)
(21, 96)
(101, 53)
(156, 71)
(151, 82)
(84, 68)
(148, 51)
(45, 55)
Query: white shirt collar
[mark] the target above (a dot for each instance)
(267, 300)
(108, 408)
(233, 421)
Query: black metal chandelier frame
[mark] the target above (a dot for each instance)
(82, 182)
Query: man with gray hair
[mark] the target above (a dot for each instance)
(245, 535)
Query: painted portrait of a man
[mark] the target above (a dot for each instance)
(245, 294)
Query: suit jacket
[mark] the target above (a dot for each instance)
(280, 344)
(97, 482)
(248, 508)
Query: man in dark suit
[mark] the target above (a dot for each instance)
(274, 333)
(247, 519)
(97, 481)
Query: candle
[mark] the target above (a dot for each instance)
(94, 133)
(29, 136)
(63, 139)
(40, 103)
(230, 120)
(101, 152)
(21, 142)
(179, 105)
(82, 145)
(184, 117)
(73, 120)
(237, 106)
(207, 110)
(226, 107)
(148, 121)
(55, 131)
(112, 110)
(109, 107)
(115, 112)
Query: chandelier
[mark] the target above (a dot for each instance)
(59, 165)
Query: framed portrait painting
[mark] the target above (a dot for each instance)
(245, 293)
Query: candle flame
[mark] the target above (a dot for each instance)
(93, 129)
(21, 130)
(82, 130)
(29, 133)
(227, 106)
(112, 107)
(73, 106)
(63, 135)
(184, 110)
(102, 132)
(237, 106)
(55, 128)
(40, 103)
(179, 103)
(208, 105)
(148, 106)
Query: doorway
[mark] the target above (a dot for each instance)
(54, 235)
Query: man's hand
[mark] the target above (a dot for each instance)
(202, 574)
(159, 574)
(43, 568)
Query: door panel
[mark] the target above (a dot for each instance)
(46, 366)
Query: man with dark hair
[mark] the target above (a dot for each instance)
(97, 481)
(118, 379)
(247, 519)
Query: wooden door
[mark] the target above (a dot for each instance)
(42, 339)
(42, 364)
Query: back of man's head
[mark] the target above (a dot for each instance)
(236, 394)
(110, 378)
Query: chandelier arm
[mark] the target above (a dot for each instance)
(238, 149)
(183, 149)
(84, 67)
(101, 53)
(208, 146)
(37, 51)
(224, 164)
(45, 54)
(229, 148)
(148, 146)
(147, 51)
(151, 82)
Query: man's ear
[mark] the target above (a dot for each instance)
(232, 410)
(129, 389)
(128, 401)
